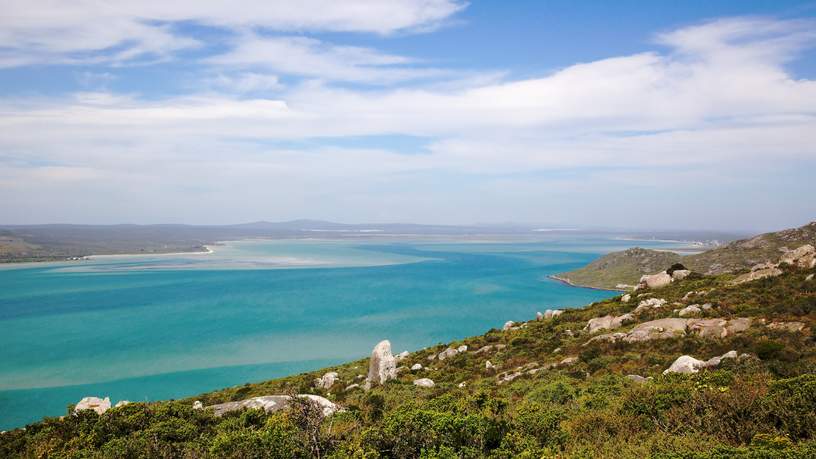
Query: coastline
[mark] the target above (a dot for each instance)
(572, 284)
(207, 251)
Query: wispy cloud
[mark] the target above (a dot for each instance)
(717, 106)
(87, 31)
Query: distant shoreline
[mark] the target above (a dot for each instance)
(207, 251)
(572, 284)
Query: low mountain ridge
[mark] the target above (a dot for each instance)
(626, 267)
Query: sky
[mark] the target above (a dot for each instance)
(653, 115)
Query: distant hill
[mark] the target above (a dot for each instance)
(626, 267)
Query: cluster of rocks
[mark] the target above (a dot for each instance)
(272, 403)
(549, 314)
(673, 327)
(688, 364)
(649, 303)
(802, 257)
(99, 405)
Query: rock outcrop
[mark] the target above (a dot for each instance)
(802, 257)
(654, 281)
(757, 272)
(416, 367)
(100, 405)
(382, 366)
(508, 325)
(272, 403)
(688, 364)
(673, 327)
(607, 322)
(656, 329)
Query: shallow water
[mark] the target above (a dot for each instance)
(157, 327)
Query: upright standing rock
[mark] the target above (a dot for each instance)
(382, 366)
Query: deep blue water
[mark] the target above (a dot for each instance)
(147, 329)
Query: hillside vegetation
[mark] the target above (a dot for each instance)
(626, 267)
(543, 388)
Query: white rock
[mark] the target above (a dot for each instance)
(809, 277)
(489, 365)
(197, 405)
(382, 366)
(424, 382)
(462, 348)
(93, 403)
(685, 364)
(121, 403)
(626, 298)
(352, 387)
(402, 355)
(326, 381)
(447, 353)
(653, 281)
(508, 325)
(461, 384)
(416, 367)
(539, 316)
(688, 364)
(689, 310)
(552, 313)
(680, 274)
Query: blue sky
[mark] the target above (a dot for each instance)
(693, 114)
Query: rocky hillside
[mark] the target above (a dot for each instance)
(617, 269)
(705, 367)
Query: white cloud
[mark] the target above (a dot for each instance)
(315, 59)
(83, 31)
(717, 107)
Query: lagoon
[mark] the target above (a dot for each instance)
(170, 326)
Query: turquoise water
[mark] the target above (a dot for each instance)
(147, 328)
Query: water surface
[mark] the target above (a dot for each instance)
(156, 327)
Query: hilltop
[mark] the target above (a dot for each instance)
(626, 267)
(703, 367)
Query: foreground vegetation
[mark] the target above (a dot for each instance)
(571, 399)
